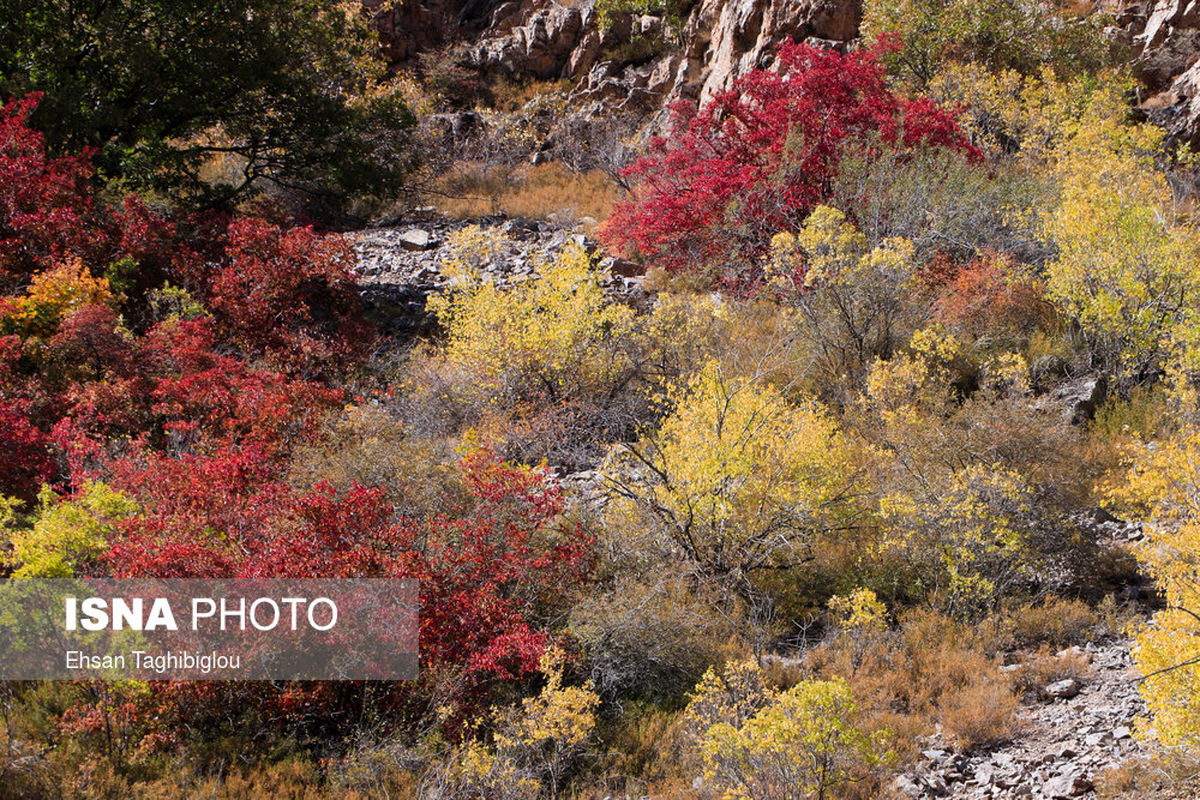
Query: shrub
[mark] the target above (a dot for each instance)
(756, 160)
(982, 528)
(1055, 621)
(45, 203)
(1162, 484)
(800, 743)
(27, 464)
(535, 744)
(548, 732)
(981, 715)
(999, 479)
(69, 535)
(931, 671)
(995, 301)
(855, 303)
(552, 335)
(1126, 270)
(649, 638)
(549, 367)
(1044, 667)
(290, 295)
(736, 479)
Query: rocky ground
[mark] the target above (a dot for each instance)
(399, 266)
(1083, 729)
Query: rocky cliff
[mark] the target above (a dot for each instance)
(641, 62)
(548, 39)
(1165, 38)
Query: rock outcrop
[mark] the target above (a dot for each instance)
(549, 39)
(724, 38)
(1165, 39)
(721, 39)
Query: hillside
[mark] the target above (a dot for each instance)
(772, 399)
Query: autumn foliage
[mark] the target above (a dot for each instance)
(157, 374)
(755, 160)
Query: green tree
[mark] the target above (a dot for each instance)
(211, 97)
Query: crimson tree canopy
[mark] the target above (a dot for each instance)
(755, 160)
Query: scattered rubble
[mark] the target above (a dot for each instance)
(1066, 744)
(401, 265)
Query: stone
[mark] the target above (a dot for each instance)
(908, 785)
(416, 239)
(1063, 690)
(1069, 784)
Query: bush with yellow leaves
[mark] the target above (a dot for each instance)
(556, 336)
(535, 744)
(736, 479)
(546, 367)
(975, 486)
(1163, 485)
(66, 535)
(856, 302)
(758, 743)
(1128, 265)
(52, 295)
(860, 616)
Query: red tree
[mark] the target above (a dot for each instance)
(290, 294)
(755, 160)
(45, 203)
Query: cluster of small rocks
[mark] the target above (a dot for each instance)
(1084, 729)
(1111, 531)
(401, 265)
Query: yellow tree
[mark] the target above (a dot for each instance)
(1164, 485)
(800, 744)
(1128, 265)
(856, 301)
(536, 742)
(736, 479)
(68, 534)
(557, 335)
(544, 367)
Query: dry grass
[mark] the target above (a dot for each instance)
(293, 779)
(541, 192)
(1172, 776)
(980, 713)
(509, 95)
(1056, 622)
(933, 671)
(1045, 667)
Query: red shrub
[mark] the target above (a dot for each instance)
(755, 160)
(992, 296)
(25, 463)
(289, 293)
(201, 396)
(46, 203)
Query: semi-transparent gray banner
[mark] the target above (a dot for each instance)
(169, 629)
